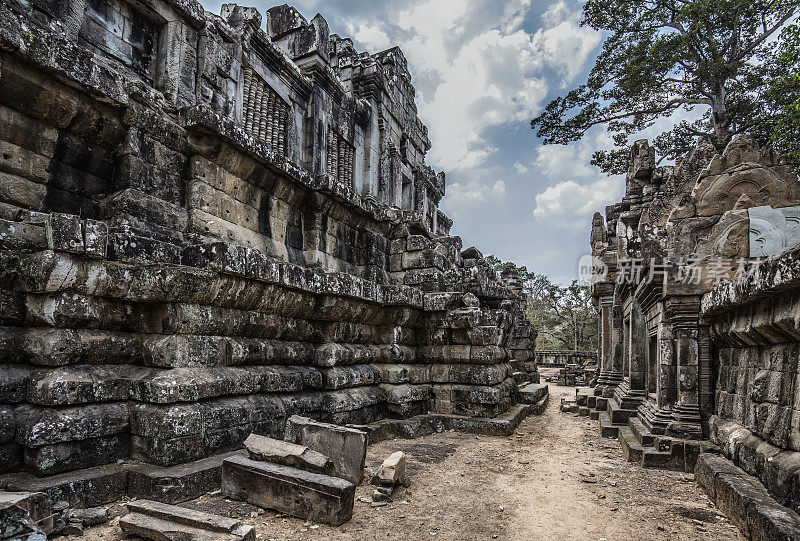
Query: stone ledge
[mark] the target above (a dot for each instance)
(81, 488)
(770, 277)
(745, 500)
(434, 423)
(180, 483)
(533, 393)
(778, 469)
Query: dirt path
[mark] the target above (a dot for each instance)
(529, 486)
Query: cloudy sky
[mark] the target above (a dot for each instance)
(482, 70)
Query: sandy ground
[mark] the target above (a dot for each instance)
(530, 486)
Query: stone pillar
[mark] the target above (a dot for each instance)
(610, 348)
(637, 348)
(686, 415)
(666, 391)
(658, 416)
(683, 314)
(632, 390)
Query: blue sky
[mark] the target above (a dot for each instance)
(483, 69)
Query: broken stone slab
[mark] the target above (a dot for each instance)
(299, 493)
(164, 522)
(346, 447)
(90, 516)
(27, 514)
(392, 472)
(288, 454)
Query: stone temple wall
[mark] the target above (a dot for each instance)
(209, 223)
(755, 328)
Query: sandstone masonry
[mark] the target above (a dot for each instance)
(209, 223)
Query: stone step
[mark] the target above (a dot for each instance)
(607, 428)
(311, 496)
(619, 415)
(662, 460)
(592, 402)
(594, 415)
(643, 436)
(583, 411)
(601, 403)
(631, 448)
(155, 520)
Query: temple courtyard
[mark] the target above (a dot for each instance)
(555, 478)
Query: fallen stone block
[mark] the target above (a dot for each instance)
(346, 447)
(25, 514)
(299, 493)
(161, 521)
(90, 516)
(392, 472)
(288, 454)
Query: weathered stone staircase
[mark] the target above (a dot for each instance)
(638, 443)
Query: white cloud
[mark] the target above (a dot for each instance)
(472, 192)
(370, 35)
(475, 67)
(521, 168)
(569, 204)
(566, 44)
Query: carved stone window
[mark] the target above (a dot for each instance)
(265, 114)
(341, 156)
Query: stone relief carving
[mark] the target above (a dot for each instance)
(773, 230)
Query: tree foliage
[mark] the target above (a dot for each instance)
(663, 56)
(563, 315)
(782, 97)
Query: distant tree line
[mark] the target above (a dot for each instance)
(563, 315)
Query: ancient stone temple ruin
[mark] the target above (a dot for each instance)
(211, 223)
(697, 283)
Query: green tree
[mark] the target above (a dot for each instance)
(662, 56)
(782, 97)
(563, 315)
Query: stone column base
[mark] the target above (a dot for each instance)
(686, 423)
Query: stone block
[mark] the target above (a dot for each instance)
(95, 238)
(346, 447)
(65, 233)
(81, 488)
(392, 471)
(180, 483)
(533, 393)
(288, 454)
(76, 455)
(311, 496)
(25, 513)
(767, 520)
(159, 521)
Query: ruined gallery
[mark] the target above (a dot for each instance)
(231, 307)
